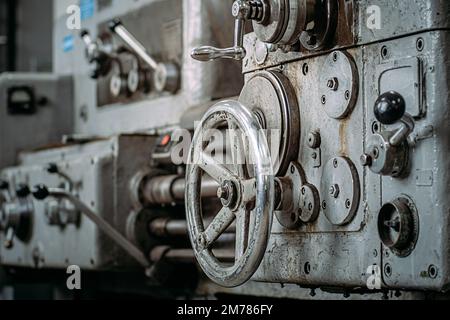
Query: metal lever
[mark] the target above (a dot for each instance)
(389, 109)
(92, 47)
(52, 168)
(166, 75)
(96, 54)
(242, 10)
(41, 192)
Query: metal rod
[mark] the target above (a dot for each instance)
(187, 255)
(133, 43)
(166, 227)
(170, 189)
(102, 225)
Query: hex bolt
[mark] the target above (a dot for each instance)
(222, 193)
(366, 160)
(333, 84)
(334, 191)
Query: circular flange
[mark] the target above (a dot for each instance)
(340, 191)
(338, 85)
(271, 30)
(290, 219)
(304, 198)
(398, 226)
(288, 18)
(270, 95)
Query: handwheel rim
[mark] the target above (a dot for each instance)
(247, 264)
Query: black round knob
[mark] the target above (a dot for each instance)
(52, 168)
(390, 107)
(84, 33)
(4, 185)
(22, 191)
(40, 192)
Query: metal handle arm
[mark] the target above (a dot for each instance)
(242, 11)
(42, 192)
(117, 27)
(166, 75)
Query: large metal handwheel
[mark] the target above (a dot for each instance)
(246, 192)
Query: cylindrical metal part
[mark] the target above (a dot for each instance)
(170, 189)
(166, 227)
(187, 255)
(134, 44)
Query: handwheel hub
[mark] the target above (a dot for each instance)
(227, 193)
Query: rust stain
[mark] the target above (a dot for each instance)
(343, 138)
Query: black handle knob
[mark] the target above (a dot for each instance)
(4, 185)
(84, 33)
(22, 191)
(390, 107)
(52, 168)
(40, 192)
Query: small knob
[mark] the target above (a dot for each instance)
(4, 185)
(40, 192)
(84, 33)
(52, 168)
(390, 107)
(22, 191)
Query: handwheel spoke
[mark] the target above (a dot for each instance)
(238, 152)
(242, 232)
(219, 225)
(215, 170)
(248, 191)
